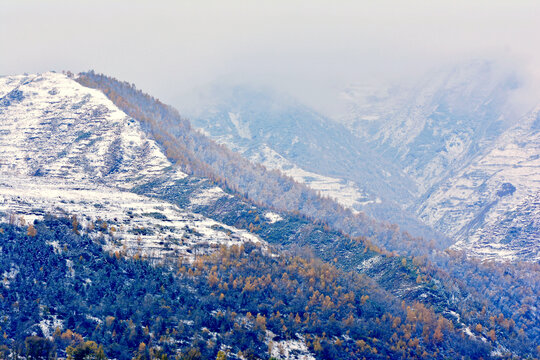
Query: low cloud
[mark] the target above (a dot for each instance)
(311, 49)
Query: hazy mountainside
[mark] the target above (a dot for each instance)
(472, 154)
(276, 131)
(198, 155)
(440, 124)
(268, 127)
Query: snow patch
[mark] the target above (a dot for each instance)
(288, 349)
(241, 128)
(208, 196)
(9, 275)
(272, 217)
(48, 326)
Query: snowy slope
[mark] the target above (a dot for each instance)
(54, 128)
(67, 149)
(438, 125)
(492, 206)
(455, 134)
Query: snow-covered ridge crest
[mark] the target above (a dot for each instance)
(68, 150)
(52, 126)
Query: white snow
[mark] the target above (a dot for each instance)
(346, 193)
(9, 275)
(288, 349)
(241, 128)
(272, 217)
(469, 332)
(369, 263)
(48, 326)
(68, 150)
(208, 196)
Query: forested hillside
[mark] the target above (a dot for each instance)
(239, 302)
(479, 293)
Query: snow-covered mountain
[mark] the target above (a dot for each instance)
(277, 131)
(67, 149)
(438, 125)
(456, 136)
(492, 205)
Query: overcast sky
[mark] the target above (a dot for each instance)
(307, 48)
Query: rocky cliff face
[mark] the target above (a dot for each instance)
(491, 206)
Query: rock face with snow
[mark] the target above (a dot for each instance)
(439, 125)
(491, 206)
(476, 171)
(445, 154)
(67, 149)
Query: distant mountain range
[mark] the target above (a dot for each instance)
(403, 154)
